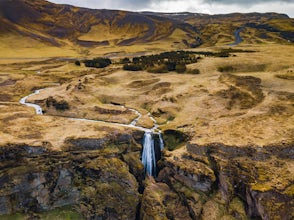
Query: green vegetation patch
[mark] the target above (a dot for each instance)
(168, 61)
(174, 139)
(161, 63)
(64, 213)
(98, 62)
(242, 68)
(58, 105)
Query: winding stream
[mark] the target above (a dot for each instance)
(148, 153)
(38, 108)
(238, 38)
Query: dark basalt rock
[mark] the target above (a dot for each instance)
(104, 179)
(257, 175)
(95, 177)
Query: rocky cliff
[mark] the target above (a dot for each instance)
(227, 182)
(99, 178)
(104, 179)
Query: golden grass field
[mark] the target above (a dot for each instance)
(210, 107)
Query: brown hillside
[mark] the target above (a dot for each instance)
(43, 29)
(57, 25)
(257, 27)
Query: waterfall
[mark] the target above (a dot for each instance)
(151, 149)
(149, 152)
(148, 155)
(161, 144)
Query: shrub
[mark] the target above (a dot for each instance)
(223, 69)
(168, 61)
(222, 54)
(158, 69)
(77, 63)
(194, 71)
(181, 68)
(125, 60)
(171, 66)
(58, 105)
(98, 62)
(62, 105)
(132, 67)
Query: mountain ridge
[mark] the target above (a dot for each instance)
(65, 21)
(82, 29)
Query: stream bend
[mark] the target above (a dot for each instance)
(148, 154)
(133, 124)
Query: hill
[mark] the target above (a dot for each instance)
(43, 29)
(80, 28)
(256, 27)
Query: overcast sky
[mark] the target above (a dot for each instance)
(199, 6)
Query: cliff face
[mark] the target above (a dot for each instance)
(223, 182)
(106, 181)
(96, 180)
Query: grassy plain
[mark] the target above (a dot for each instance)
(211, 107)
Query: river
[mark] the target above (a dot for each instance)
(238, 38)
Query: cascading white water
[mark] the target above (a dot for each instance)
(161, 144)
(148, 155)
(149, 152)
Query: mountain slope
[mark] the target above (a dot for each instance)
(256, 27)
(42, 29)
(64, 25)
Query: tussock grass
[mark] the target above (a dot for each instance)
(242, 68)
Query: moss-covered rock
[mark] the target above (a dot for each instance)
(160, 202)
(174, 139)
(90, 175)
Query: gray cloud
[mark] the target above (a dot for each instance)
(200, 6)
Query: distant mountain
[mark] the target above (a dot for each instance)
(256, 27)
(25, 23)
(52, 23)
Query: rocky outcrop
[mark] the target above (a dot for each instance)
(222, 182)
(191, 173)
(97, 179)
(174, 138)
(109, 191)
(35, 182)
(160, 202)
(104, 179)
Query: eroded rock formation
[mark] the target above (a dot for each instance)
(94, 177)
(227, 182)
(104, 179)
